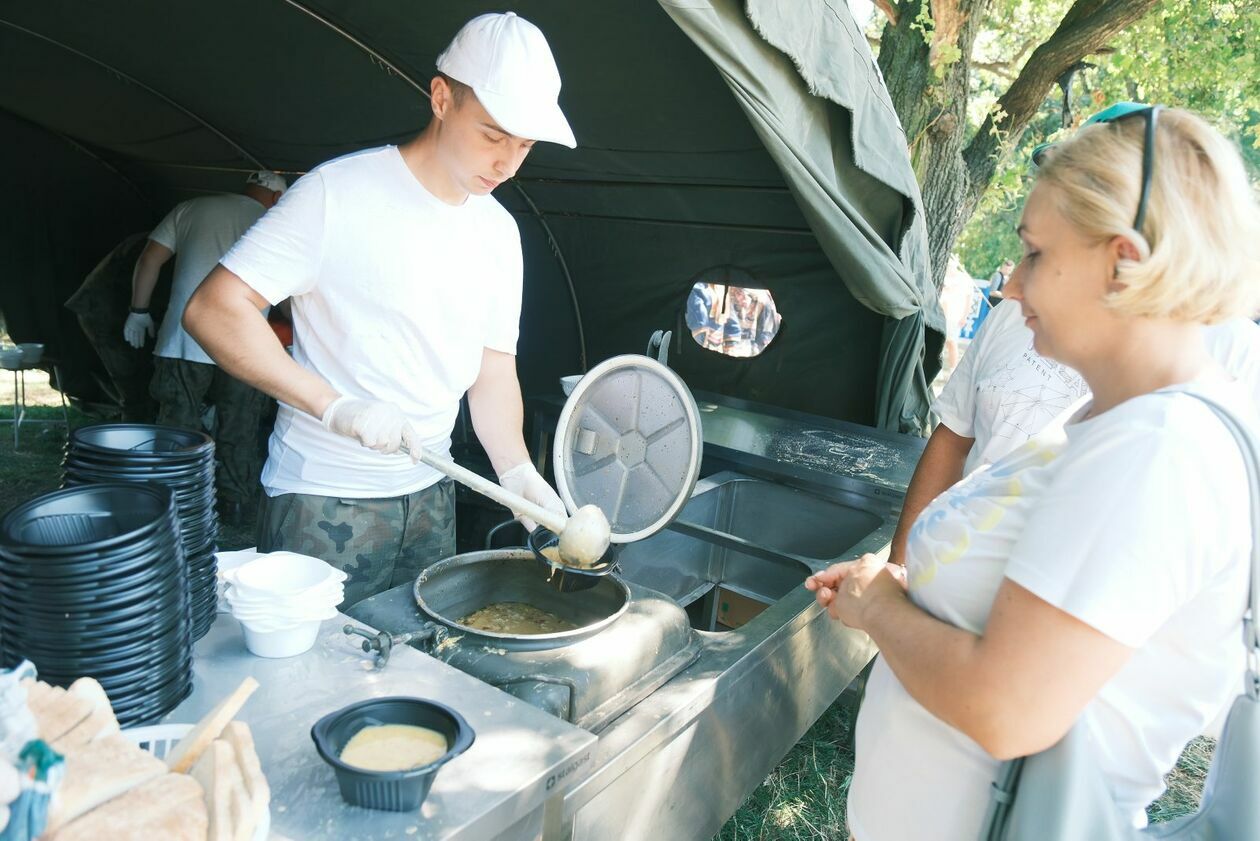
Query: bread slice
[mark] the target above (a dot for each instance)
(189, 749)
(220, 779)
(242, 812)
(57, 712)
(170, 808)
(237, 735)
(99, 722)
(88, 688)
(98, 772)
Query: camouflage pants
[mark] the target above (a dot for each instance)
(379, 543)
(180, 387)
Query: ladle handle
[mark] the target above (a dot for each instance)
(518, 504)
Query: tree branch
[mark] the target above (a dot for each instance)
(1005, 69)
(1085, 29)
(887, 8)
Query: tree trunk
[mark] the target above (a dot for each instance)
(931, 92)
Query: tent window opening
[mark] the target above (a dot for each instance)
(734, 321)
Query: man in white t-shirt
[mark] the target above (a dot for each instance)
(197, 233)
(405, 277)
(1004, 392)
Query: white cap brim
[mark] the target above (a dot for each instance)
(530, 120)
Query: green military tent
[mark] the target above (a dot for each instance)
(714, 138)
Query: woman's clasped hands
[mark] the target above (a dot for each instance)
(851, 589)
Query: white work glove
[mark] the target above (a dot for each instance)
(375, 424)
(524, 480)
(138, 324)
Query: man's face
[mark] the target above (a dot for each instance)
(479, 154)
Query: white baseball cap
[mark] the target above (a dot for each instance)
(506, 61)
(268, 180)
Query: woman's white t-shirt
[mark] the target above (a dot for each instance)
(1135, 522)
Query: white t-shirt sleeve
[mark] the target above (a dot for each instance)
(956, 404)
(1117, 539)
(280, 255)
(503, 321)
(166, 234)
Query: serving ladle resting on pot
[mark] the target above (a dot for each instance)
(584, 537)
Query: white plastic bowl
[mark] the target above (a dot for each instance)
(282, 574)
(331, 593)
(287, 616)
(286, 609)
(567, 384)
(11, 358)
(283, 642)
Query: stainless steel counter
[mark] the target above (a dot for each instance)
(522, 760)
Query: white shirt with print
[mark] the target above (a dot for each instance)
(1004, 392)
(1136, 522)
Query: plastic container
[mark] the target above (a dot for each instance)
(11, 358)
(160, 739)
(268, 641)
(394, 791)
(282, 574)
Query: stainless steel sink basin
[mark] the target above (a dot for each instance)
(752, 538)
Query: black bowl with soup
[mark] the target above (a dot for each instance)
(386, 752)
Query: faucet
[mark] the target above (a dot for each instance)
(382, 642)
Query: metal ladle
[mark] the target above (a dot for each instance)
(584, 537)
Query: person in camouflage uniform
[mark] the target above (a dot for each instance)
(405, 277)
(379, 543)
(195, 234)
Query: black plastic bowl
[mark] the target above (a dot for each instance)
(136, 442)
(567, 579)
(394, 791)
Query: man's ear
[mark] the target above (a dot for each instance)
(441, 97)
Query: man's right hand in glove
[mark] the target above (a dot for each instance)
(375, 424)
(138, 325)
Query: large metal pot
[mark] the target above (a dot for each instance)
(451, 589)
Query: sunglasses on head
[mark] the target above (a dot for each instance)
(1117, 112)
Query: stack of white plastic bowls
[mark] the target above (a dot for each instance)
(280, 599)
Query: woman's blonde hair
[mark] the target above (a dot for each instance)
(1200, 244)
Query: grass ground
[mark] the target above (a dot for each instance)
(802, 798)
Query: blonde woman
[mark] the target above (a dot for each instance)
(1099, 572)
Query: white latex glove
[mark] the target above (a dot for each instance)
(138, 324)
(524, 480)
(375, 424)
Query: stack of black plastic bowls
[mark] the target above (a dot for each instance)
(177, 458)
(93, 582)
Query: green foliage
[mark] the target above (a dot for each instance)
(1192, 54)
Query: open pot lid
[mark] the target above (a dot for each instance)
(629, 441)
